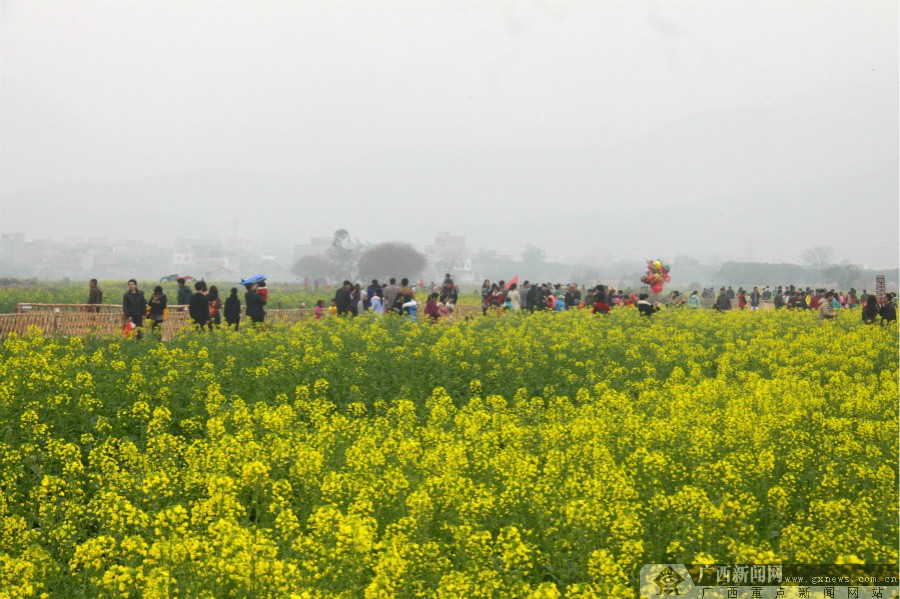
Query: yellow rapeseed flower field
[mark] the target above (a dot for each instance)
(549, 455)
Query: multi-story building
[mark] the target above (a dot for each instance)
(449, 254)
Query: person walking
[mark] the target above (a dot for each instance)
(254, 303)
(524, 296)
(357, 300)
(343, 298)
(134, 307)
(778, 299)
(888, 311)
(184, 293)
(826, 310)
(449, 290)
(486, 291)
(215, 307)
(391, 291)
(198, 306)
(870, 310)
(158, 304)
(536, 298)
(755, 297)
(95, 296)
(233, 309)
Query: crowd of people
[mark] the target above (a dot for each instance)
(826, 302)
(391, 298)
(507, 296)
(207, 309)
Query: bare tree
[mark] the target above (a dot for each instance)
(818, 256)
(533, 255)
(344, 254)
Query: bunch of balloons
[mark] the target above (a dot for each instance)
(657, 275)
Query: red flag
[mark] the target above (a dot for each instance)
(512, 281)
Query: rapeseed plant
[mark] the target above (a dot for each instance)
(526, 456)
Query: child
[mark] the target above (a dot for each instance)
(409, 308)
(377, 305)
(600, 306)
(445, 309)
(320, 309)
(550, 301)
(130, 329)
(215, 307)
(262, 291)
(431, 307)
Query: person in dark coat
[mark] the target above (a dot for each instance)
(198, 306)
(254, 303)
(723, 302)
(342, 298)
(134, 306)
(95, 295)
(373, 290)
(233, 309)
(184, 293)
(645, 307)
(355, 295)
(888, 311)
(157, 312)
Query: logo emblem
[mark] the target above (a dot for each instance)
(668, 581)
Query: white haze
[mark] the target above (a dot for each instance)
(723, 130)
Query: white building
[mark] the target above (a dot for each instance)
(449, 254)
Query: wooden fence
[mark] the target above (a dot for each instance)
(105, 320)
(82, 320)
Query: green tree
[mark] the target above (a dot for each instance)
(313, 267)
(393, 258)
(845, 275)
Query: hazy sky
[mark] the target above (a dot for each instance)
(116, 91)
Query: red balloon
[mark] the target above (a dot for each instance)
(657, 288)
